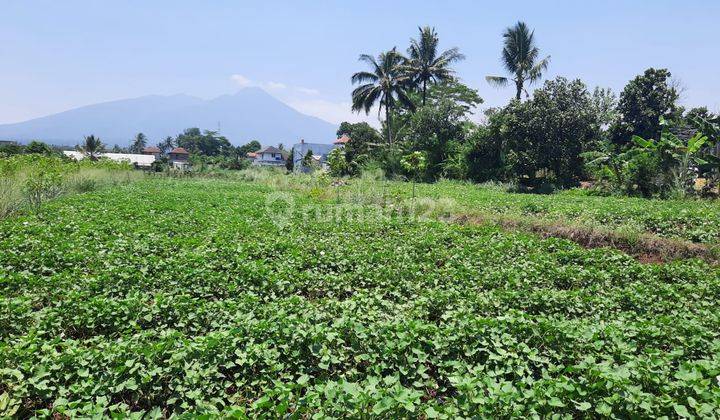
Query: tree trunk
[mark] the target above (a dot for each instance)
(519, 86)
(387, 121)
(424, 90)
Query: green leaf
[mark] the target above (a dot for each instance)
(681, 410)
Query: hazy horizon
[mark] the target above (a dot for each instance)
(61, 56)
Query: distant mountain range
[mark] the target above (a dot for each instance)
(250, 114)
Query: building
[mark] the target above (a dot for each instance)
(269, 156)
(179, 158)
(320, 152)
(152, 150)
(342, 141)
(139, 161)
(8, 143)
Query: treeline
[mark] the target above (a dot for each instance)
(206, 148)
(640, 143)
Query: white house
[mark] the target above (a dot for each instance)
(141, 161)
(269, 156)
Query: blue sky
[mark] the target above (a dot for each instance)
(56, 55)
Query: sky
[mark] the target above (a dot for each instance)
(58, 55)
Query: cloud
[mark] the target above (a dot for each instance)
(307, 91)
(275, 85)
(241, 80)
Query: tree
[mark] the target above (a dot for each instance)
(520, 59)
(337, 162)
(289, 162)
(92, 146)
(643, 101)
(207, 143)
(414, 164)
(138, 143)
(252, 146)
(363, 139)
(385, 85)
(540, 140)
(166, 145)
(425, 65)
(436, 130)
(38, 147)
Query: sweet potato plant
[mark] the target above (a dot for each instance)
(183, 297)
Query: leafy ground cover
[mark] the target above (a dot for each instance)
(194, 296)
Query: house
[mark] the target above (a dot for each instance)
(178, 158)
(152, 150)
(139, 161)
(320, 152)
(8, 143)
(342, 141)
(269, 156)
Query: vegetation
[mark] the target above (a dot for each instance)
(27, 181)
(92, 147)
(426, 65)
(122, 309)
(138, 143)
(561, 136)
(520, 57)
(385, 85)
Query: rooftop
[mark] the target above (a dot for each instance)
(342, 140)
(179, 151)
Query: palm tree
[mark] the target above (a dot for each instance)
(385, 84)
(425, 65)
(92, 147)
(167, 144)
(139, 143)
(520, 58)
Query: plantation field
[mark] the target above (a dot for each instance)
(197, 296)
(692, 220)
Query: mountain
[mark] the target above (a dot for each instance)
(250, 114)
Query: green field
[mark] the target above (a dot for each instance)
(195, 296)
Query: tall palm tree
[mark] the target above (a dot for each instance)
(92, 146)
(385, 84)
(425, 64)
(167, 144)
(139, 143)
(520, 59)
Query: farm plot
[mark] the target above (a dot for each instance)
(197, 296)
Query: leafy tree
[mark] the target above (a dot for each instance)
(460, 94)
(414, 163)
(252, 146)
(363, 139)
(290, 162)
(643, 101)
(337, 162)
(386, 85)
(605, 104)
(207, 143)
(38, 147)
(138, 143)
(426, 65)
(541, 140)
(92, 146)
(520, 59)
(436, 130)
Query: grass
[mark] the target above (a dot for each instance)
(194, 296)
(26, 181)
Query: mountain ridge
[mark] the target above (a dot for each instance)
(249, 114)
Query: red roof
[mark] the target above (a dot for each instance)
(179, 151)
(251, 155)
(342, 140)
(151, 149)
